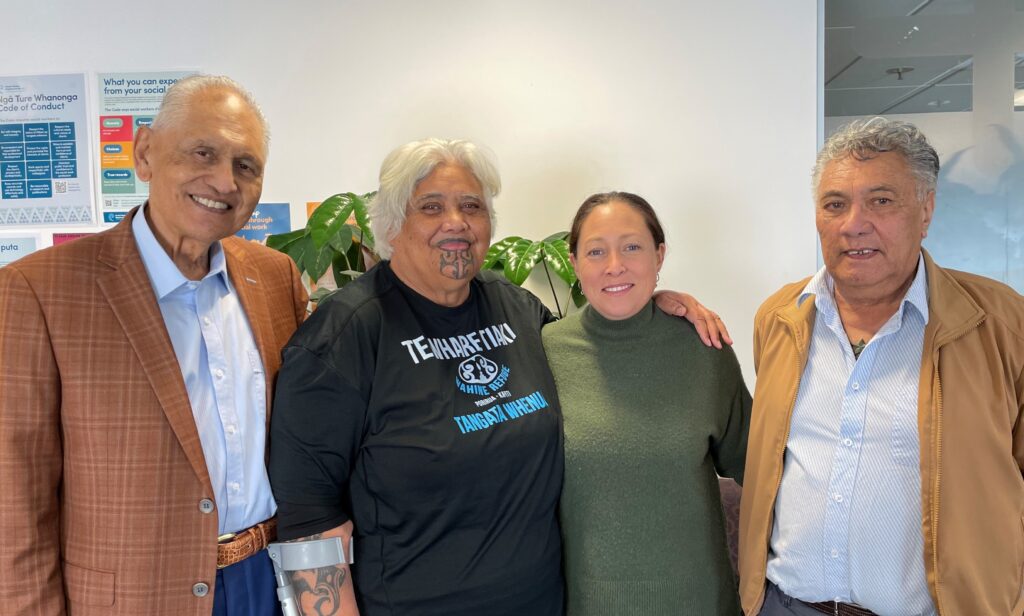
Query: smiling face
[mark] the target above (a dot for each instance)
(205, 173)
(445, 237)
(871, 223)
(616, 260)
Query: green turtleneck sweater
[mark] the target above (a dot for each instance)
(650, 415)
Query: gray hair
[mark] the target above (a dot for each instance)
(862, 139)
(406, 166)
(178, 97)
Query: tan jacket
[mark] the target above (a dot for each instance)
(970, 408)
(101, 468)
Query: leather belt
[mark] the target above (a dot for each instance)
(236, 547)
(839, 609)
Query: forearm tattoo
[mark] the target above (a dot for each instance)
(318, 591)
(455, 263)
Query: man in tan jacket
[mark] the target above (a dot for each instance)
(884, 471)
(136, 368)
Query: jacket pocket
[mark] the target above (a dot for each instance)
(88, 586)
(905, 444)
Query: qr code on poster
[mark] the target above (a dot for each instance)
(60, 186)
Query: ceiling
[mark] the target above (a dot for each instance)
(870, 44)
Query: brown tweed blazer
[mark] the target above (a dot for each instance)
(101, 468)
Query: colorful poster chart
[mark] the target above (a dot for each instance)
(126, 102)
(44, 151)
(13, 248)
(267, 219)
(63, 238)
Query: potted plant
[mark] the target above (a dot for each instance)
(517, 257)
(336, 237)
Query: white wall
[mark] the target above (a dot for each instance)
(705, 108)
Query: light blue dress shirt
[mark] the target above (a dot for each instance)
(848, 513)
(223, 374)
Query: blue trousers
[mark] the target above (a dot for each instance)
(247, 588)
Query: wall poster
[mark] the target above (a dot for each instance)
(126, 102)
(45, 167)
(267, 219)
(14, 247)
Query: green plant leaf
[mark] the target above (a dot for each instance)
(349, 265)
(279, 241)
(316, 260)
(556, 254)
(520, 260)
(360, 208)
(340, 264)
(355, 257)
(296, 249)
(561, 235)
(365, 240)
(495, 258)
(330, 216)
(342, 240)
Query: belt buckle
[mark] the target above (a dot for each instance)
(224, 539)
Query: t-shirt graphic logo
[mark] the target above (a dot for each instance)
(478, 370)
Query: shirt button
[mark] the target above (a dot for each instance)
(218, 373)
(206, 505)
(835, 553)
(234, 486)
(839, 498)
(230, 429)
(856, 386)
(847, 442)
(200, 589)
(206, 320)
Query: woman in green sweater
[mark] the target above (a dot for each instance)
(650, 415)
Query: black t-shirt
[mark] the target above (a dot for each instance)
(437, 431)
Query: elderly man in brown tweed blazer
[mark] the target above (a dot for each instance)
(135, 375)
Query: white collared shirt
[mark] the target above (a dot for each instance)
(223, 374)
(848, 513)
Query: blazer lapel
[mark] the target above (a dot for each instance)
(253, 296)
(131, 297)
